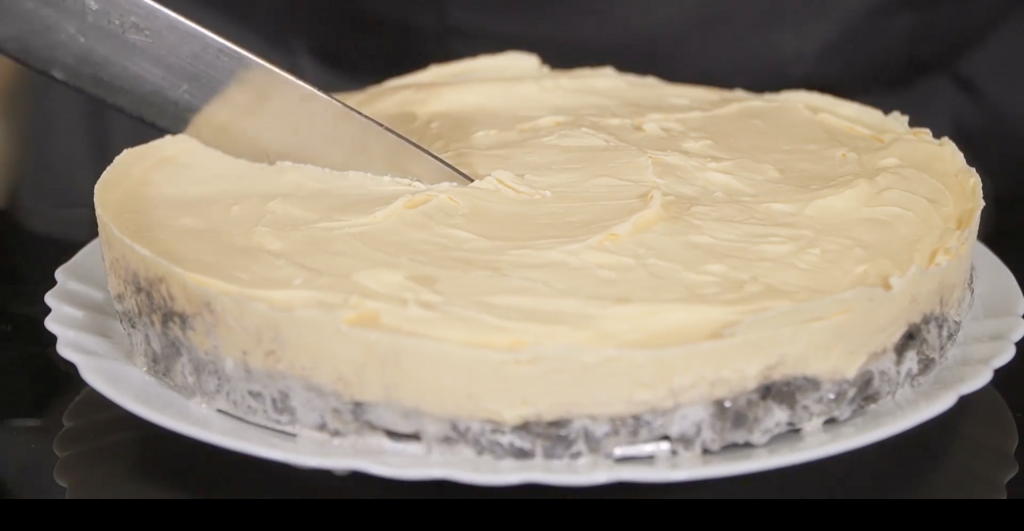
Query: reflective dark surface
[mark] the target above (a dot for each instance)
(107, 453)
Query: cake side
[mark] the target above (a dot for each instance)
(162, 328)
(457, 381)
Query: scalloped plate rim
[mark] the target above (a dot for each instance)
(98, 371)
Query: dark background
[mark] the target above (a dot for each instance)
(955, 66)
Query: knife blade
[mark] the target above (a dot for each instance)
(182, 78)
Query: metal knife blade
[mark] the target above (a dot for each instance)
(155, 64)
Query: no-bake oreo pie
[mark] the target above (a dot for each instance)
(643, 267)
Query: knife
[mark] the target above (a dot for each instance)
(166, 70)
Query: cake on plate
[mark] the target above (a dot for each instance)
(642, 267)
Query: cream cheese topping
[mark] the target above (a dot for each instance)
(613, 213)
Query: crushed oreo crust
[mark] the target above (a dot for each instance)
(288, 404)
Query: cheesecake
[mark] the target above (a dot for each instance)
(638, 264)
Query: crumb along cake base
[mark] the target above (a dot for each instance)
(641, 268)
(294, 405)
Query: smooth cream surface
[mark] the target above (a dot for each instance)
(612, 211)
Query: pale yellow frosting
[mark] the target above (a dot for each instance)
(630, 244)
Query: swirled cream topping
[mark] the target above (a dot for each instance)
(612, 210)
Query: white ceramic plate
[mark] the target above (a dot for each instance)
(90, 336)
